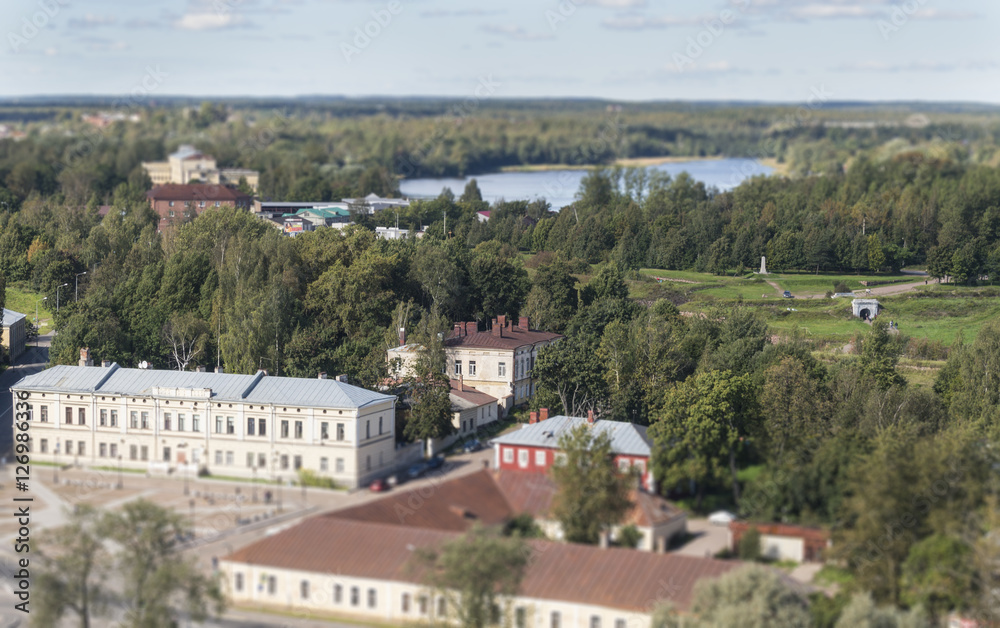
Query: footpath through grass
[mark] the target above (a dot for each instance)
(23, 301)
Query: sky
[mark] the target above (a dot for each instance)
(630, 50)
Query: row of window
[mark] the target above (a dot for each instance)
(523, 456)
(423, 603)
(501, 368)
(188, 204)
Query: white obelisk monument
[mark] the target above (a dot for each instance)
(763, 266)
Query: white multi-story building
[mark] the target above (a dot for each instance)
(225, 424)
(498, 362)
(189, 164)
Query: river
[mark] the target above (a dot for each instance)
(558, 187)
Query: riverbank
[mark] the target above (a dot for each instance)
(629, 162)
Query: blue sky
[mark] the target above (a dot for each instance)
(771, 50)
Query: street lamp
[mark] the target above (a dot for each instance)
(76, 281)
(57, 295)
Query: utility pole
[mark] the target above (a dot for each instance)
(76, 286)
(445, 224)
(57, 295)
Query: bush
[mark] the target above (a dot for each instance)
(629, 536)
(840, 286)
(308, 477)
(749, 549)
(541, 258)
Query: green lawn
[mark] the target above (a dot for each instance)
(24, 301)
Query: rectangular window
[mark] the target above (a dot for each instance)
(508, 455)
(368, 429)
(324, 464)
(133, 452)
(262, 427)
(284, 461)
(113, 450)
(595, 621)
(134, 420)
(340, 431)
(368, 463)
(238, 584)
(81, 448)
(272, 585)
(298, 429)
(250, 460)
(195, 423)
(380, 426)
(404, 603)
(340, 465)
(355, 596)
(44, 444)
(520, 617)
(623, 465)
(619, 623)
(261, 461)
(539, 458)
(502, 369)
(298, 462)
(144, 420)
(167, 420)
(372, 598)
(442, 607)
(229, 458)
(251, 423)
(304, 589)
(422, 603)
(338, 594)
(556, 620)
(324, 430)
(284, 429)
(104, 418)
(230, 425)
(144, 452)
(458, 367)
(166, 454)
(69, 447)
(180, 422)
(218, 456)
(472, 367)
(45, 414)
(218, 425)
(114, 418)
(103, 450)
(522, 458)
(69, 415)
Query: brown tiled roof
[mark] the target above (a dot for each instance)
(470, 394)
(512, 338)
(614, 578)
(782, 529)
(651, 510)
(453, 505)
(195, 192)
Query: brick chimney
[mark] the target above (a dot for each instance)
(461, 382)
(502, 319)
(522, 322)
(342, 379)
(590, 416)
(471, 327)
(200, 368)
(459, 329)
(105, 363)
(543, 414)
(402, 336)
(85, 359)
(220, 369)
(497, 327)
(322, 375)
(532, 417)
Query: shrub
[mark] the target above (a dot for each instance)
(749, 549)
(308, 477)
(629, 536)
(840, 286)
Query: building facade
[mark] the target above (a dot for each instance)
(498, 362)
(15, 333)
(188, 164)
(176, 203)
(220, 423)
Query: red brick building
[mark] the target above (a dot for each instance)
(175, 202)
(535, 447)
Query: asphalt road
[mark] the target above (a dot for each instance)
(31, 361)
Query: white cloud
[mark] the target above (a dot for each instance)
(917, 66)
(514, 32)
(92, 21)
(641, 22)
(209, 21)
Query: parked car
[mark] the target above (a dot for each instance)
(788, 294)
(472, 445)
(435, 463)
(378, 486)
(416, 470)
(722, 518)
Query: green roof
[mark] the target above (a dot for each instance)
(323, 212)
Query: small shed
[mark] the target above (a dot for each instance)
(865, 309)
(15, 333)
(780, 541)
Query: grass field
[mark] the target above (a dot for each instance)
(23, 301)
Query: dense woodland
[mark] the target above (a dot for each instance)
(904, 475)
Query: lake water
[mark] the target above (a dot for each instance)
(558, 187)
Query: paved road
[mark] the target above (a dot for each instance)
(31, 361)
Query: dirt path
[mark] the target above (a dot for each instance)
(898, 288)
(777, 288)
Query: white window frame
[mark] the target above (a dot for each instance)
(540, 458)
(522, 458)
(508, 454)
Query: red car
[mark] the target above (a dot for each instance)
(378, 486)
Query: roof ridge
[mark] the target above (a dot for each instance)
(111, 371)
(256, 380)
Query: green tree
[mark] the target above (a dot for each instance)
(498, 280)
(876, 253)
(74, 563)
(879, 355)
(159, 584)
(939, 575)
(185, 336)
(476, 572)
(571, 371)
(795, 411)
(471, 193)
(430, 407)
(699, 431)
(749, 549)
(552, 300)
(861, 612)
(629, 536)
(592, 495)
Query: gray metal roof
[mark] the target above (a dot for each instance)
(626, 438)
(10, 317)
(259, 388)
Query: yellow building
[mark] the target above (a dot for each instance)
(188, 165)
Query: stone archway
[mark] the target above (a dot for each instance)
(865, 309)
